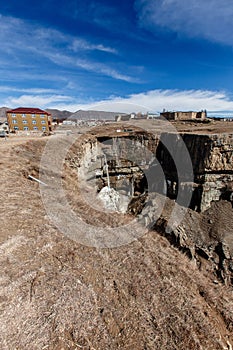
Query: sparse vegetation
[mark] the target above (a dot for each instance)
(57, 294)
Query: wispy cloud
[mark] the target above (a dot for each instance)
(80, 44)
(157, 100)
(150, 101)
(30, 40)
(103, 69)
(43, 101)
(210, 19)
(88, 65)
(24, 90)
(28, 36)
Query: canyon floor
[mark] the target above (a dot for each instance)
(58, 294)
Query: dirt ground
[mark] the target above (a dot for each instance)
(57, 294)
(212, 127)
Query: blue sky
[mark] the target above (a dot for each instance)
(120, 55)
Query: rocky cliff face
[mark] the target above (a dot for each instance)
(212, 166)
(190, 168)
(206, 238)
(218, 175)
(198, 165)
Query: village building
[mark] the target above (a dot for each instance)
(4, 126)
(29, 119)
(136, 116)
(122, 118)
(179, 115)
(152, 115)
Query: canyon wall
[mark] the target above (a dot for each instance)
(212, 166)
(172, 165)
(182, 166)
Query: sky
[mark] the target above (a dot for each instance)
(118, 55)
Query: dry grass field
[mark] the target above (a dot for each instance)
(57, 294)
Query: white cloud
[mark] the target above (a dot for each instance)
(29, 43)
(42, 101)
(150, 101)
(27, 36)
(157, 100)
(80, 44)
(88, 65)
(26, 90)
(103, 69)
(210, 19)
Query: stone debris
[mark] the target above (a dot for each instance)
(113, 200)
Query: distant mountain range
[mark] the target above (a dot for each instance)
(57, 114)
(83, 115)
(79, 115)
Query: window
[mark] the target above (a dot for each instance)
(43, 122)
(24, 115)
(25, 121)
(35, 128)
(25, 128)
(14, 121)
(44, 128)
(13, 115)
(34, 122)
(16, 128)
(42, 115)
(33, 115)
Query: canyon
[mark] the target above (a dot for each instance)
(161, 177)
(151, 271)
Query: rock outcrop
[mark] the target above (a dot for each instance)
(193, 170)
(206, 238)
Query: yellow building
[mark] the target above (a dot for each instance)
(29, 119)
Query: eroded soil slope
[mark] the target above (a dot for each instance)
(58, 294)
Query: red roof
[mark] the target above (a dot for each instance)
(28, 110)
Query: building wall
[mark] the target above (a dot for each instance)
(29, 122)
(190, 115)
(168, 115)
(120, 118)
(183, 115)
